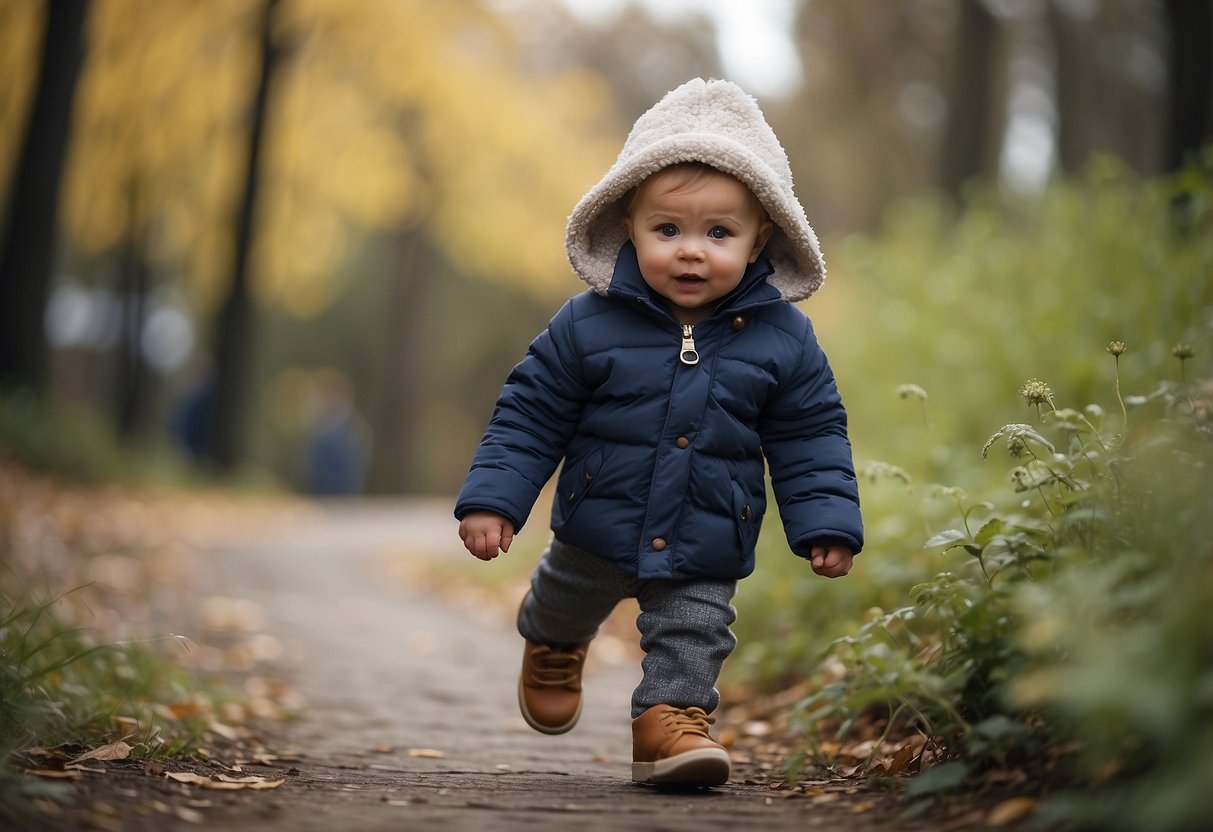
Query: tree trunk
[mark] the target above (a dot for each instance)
(131, 406)
(28, 247)
(1073, 88)
(234, 336)
(398, 408)
(966, 147)
(1190, 80)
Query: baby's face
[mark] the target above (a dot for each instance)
(695, 233)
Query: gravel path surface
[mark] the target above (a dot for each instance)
(412, 721)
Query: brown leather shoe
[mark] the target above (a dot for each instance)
(549, 688)
(672, 745)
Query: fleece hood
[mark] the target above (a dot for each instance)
(718, 124)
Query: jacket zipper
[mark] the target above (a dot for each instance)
(688, 355)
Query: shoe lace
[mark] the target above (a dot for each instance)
(555, 666)
(688, 721)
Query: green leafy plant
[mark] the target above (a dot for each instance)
(1080, 617)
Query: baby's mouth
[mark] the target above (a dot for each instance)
(689, 280)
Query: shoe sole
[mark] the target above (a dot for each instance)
(539, 726)
(702, 767)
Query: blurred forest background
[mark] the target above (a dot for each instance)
(309, 238)
(301, 243)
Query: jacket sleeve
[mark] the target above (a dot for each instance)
(804, 438)
(532, 423)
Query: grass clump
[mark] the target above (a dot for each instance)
(96, 579)
(63, 685)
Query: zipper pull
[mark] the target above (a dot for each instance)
(688, 355)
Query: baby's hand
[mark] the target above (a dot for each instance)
(831, 561)
(482, 532)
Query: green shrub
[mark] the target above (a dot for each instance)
(1082, 615)
(966, 305)
(1065, 606)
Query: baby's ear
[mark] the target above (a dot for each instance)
(627, 224)
(764, 233)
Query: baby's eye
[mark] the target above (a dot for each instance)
(667, 230)
(719, 233)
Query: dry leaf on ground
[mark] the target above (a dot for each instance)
(224, 783)
(54, 774)
(429, 753)
(114, 751)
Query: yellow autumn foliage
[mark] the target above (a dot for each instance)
(384, 115)
(20, 26)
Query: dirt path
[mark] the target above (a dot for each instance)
(412, 721)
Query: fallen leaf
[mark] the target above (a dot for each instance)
(54, 774)
(1010, 811)
(81, 767)
(192, 779)
(224, 783)
(383, 749)
(428, 753)
(259, 759)
(186, 777)
(114, 751)
(251, 778)
(904, 756)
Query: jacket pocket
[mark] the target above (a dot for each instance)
(575, 483)
(747, 520)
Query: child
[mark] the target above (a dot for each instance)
(663, 390)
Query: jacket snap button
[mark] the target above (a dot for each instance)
(738, 323)
(745, 515)
(683, 442)
(658, 543)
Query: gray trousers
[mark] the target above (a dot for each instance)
(684, 625)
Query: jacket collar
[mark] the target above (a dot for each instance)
(753, 290)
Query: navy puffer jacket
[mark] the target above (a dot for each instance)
(664, 461)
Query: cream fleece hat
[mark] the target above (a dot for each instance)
(718, 124)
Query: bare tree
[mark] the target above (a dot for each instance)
(28, 247)
(133, 381)
(967, 148)
(234, 341)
